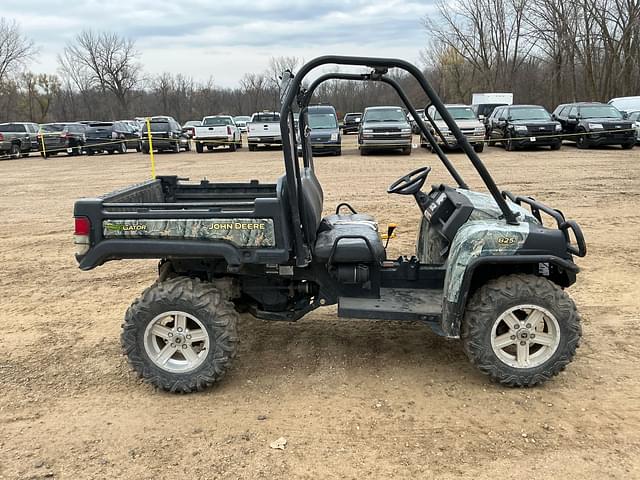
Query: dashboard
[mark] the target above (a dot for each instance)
(447, 210)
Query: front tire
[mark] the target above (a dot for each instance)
(520, 330)
(478, 147)
(582, 142)
(180, 335)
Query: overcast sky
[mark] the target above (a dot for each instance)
(226, 38)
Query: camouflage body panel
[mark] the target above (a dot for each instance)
(480, 238)
(241, 232)
(485, 207)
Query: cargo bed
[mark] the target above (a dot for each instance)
(171, 218)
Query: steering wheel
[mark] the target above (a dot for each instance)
(411, 183)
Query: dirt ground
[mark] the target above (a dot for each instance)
(354, 399)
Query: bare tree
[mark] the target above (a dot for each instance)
(105, 61)
(16, 50)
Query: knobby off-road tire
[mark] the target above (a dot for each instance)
(498, 298)
(182, 312)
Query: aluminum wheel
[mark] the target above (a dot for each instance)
(176, 341)
(525, 336)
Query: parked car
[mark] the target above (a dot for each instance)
(351, 122)
(110, 137)
(188, 128)
(324, 131)
(18, 138)
(468, 122)
(412, 121)
(264, 129)
(166, 134)
(384, 128)
(634, 116)
(593, 124)
(61, 137)
(241, 122)
(517, 126)
(217, 131)
(626, 104)
(484, 104)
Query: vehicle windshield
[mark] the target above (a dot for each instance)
(529, 114)
(352, 116)
(599, 111)
(193, 123)
(159, 126)
(241, 119)
(632, 103)
(458, 113)
(216, 122)
(52, 127)
(12, 127)
(385, 115)
(266, 117)
(322, 121)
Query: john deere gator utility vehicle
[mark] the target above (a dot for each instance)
(486, 270)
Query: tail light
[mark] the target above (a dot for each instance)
(228, 130)
(81, 235)
(1, 137)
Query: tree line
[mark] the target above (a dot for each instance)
(545, 52)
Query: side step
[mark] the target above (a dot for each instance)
(394, 304)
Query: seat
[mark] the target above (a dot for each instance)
(351, 238)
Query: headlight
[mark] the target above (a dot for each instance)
(595, 126)
(405, 130)
(334, 137)
(479, 130)
(558, 128)
(367, 130)
(520, 128)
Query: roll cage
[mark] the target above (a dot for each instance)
(294, 93)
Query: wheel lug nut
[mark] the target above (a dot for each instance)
(184, 346)
(528, 325)
(523, 342)
(516, 326)
(188, 336)
(170, 334)
(179, 329)
(533, 335)
(173, 344)
(513, 337)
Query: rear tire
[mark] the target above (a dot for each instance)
(556, 146)
(406, 150)
(478, 147)
(14, 152)
(145, 149)
(494, 344)
(199, 147)
(252, 147)
(508, 143)
(122, 148)
(628, 146)
(363, 152)
(232, 147)
(165, 322)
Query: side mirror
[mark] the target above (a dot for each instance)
(502, 119)
(480, 117)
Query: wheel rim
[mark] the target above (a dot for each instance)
(176, 342)
(525, 336)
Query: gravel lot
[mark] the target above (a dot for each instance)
(354, 399)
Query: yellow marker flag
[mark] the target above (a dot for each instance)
(153, 160)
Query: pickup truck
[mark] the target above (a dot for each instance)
(264, 129)
(18, 139)
(217, 131)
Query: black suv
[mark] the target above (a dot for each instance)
(523, 126)
(166, 134)
(593, 124)
(110, 137)
(61, 137)
(351, 122)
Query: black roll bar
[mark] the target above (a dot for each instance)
(396, 86)
(380, 66)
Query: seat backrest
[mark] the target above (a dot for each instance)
(312, 203)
